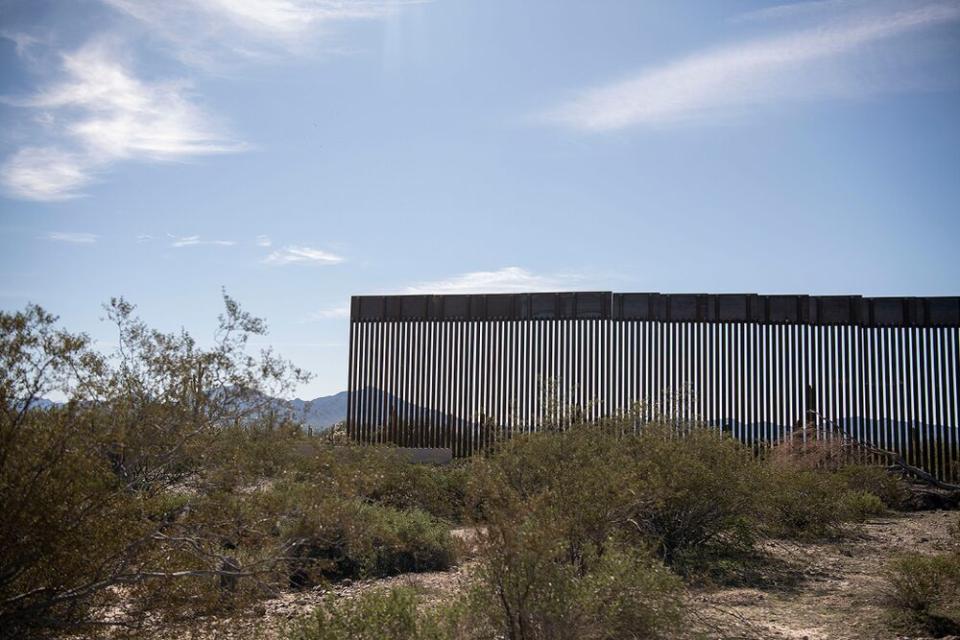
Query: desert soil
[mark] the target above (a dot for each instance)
(810, 591)
(828, 591)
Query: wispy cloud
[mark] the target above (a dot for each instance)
(506, 280)
(813, 9)
(72, 237)
(302, 255)
(105, 114)
(299, 345)
(206, 32)
(264, 241)
(46, 173)
(331, 313)
(193, 241)
(21, 41)
(813, 62)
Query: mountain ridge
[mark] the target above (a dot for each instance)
(320, 413)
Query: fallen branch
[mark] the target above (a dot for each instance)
(896, 460)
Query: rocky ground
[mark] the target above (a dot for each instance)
(831, 591)
(809, 591)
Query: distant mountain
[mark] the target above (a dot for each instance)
(322, 412)
(326, 411)
(319, 413)
(40, 403)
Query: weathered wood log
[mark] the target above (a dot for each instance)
(896, 461)
(926, 498)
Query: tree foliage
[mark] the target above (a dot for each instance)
(92, 489)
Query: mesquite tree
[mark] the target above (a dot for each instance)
(92, 489)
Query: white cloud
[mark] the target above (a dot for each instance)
(144, 237)
(72, 237)
(302, 255)
(22, 41)
(207, 31)
(804, 64)
(332, 313)
(192, 241)
(105, 114)
(264, 241)
(506, 280)
(125, 117)
(45, 173)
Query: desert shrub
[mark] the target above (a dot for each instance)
(384, 613)
(380, 474)
(438, 490)
(804, 500)
(803, 503)
(925, 593)
(398, 613)
(151, 486)
(688, 498)
(283, 534)
(691, 496)
(267, 447)
(334, 537)
(629, 595)
(525, 581)
(954, 530)
(66, 522)
(892, 491)
(526, 587)
(297, 529)
(858, 506)
(403, 541)
(560, 555)
(820, 454)
(575, 481)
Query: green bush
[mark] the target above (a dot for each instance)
(560, 555)
(803, 503)
(525, 585)
(806, 502)
(685, 497)
(438, 490)
(380, 474)
(173, 484)
(405, 541)
(858, 506)
(244, 454)
(102, 496)
(629, 595)
(691, 496)
(574, 481)
(527, 588)
(282, 532)
(397, 613)
(333, 537)
(374, 615)
(892, 491)
(925, 593)
(66, 522)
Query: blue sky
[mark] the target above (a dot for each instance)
(300, 151)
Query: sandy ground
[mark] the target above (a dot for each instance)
(829, 591)
(268, 619)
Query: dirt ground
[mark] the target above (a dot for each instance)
(831, 591)
(826, 591)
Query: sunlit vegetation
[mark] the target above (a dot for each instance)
(170, 484)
